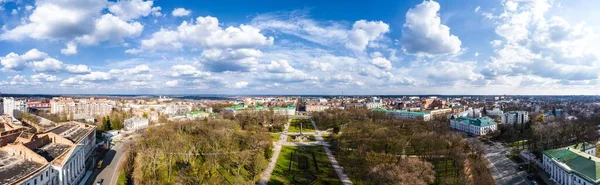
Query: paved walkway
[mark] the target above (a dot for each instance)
(503, 170)
(336, 166)
(266, 175)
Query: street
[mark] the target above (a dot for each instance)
(110, 167)
(503, 170)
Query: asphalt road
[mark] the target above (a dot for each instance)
(504, 171)
(109, 172)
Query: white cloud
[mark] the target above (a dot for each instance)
(16, 62)
(172, 83)
(139, 69)
(187, 71)
(77, 69)
(86, 79)
(381, 63)
(42, 77)
(364, 32)
(47, 65)
(240, 84)
(206, 32)
(111, 28)
(321, 66)
(219, 60)
(70, 50)
(423, 32)
(131, 9)
(280, 66)
(181, 12)
(477, 9)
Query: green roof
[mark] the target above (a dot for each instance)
(236, 107)
(480, 122)
(197, 112)
(582, 164)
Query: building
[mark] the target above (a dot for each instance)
(60, 156)
(91, 106)
(402, 114)
(474, 126)
(136, 123)
(494, 112)
(12, 107)
(197, 115)
(515, 117)
(438, 112)
(572, 165)
(316, 108)
(287, 111)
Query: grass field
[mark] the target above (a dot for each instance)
(275, 137)
(444, 170)
(306, 125)
(293, 163)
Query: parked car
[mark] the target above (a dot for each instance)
(100, 182)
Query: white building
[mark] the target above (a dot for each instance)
(136, 123)
(494, 112)
(572, 165)
(474, 126)
(60, 156)
(408, 115)
(515, 117)
(316, 108)
(11, 106)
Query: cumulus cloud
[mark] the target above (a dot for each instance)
(187, 71)
(364, 32)
(93, 77)
(240, 84)
(423, 32)
(16, 62)
(206, 32)
(81, 22)
(42, 77)
(181, 12)
(280, 66)
(381, 63)
(132, 9)
(219, 60)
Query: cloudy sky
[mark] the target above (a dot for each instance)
(300, 47)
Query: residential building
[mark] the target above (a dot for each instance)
(91, 106)
(316, 108)
(494, 112)
(474, 126)
(197, 115)
(572, 165)
(59, 156)
(515, 117)
(12, 107)
(136, 123)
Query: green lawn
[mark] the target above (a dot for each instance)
(306, 125)
(293, 162)
(275, 137)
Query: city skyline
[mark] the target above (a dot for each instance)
(272, 47)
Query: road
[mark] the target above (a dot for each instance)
(110, 169)
(266, 175)
(503, 170)
(336, 166)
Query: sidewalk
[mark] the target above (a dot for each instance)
(266, 175)
(336, 166)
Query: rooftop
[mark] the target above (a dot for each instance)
(480, 122)
(13, 168)
(52, 150)
(72, 131)
(582, 164)
(399, 111)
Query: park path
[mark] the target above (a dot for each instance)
(266, 175)
(336, 166)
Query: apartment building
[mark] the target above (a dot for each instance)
(136, 123)
(515, 117)
(11, 106)
(91, 106)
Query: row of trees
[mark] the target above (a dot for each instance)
(266, 119)
(214, 151)
(375, 148)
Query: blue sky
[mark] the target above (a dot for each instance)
(299, 47)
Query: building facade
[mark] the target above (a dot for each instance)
(91, 106)
(408, 115)
(11, 106)
(515, 117)
(572, 165)
(136, 123)
(474, 126)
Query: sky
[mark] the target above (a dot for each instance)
(385, 47)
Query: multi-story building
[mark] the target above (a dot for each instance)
(474, 126)
(58, 156)
(197, 115)
(515, 117)
(12, 107)
(402, 114)
(92, 107)
(572, 165)
(494, 112)
(438, 112)
(136, 123)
